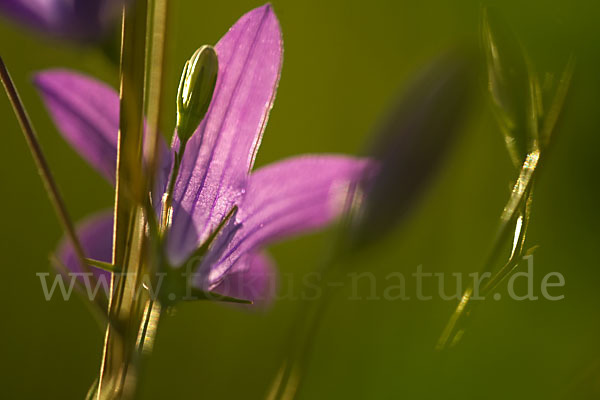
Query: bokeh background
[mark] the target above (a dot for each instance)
(345, 61)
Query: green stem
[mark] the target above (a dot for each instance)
(165, 219)
(303, 332)
(133, 313)
(42, 166)
(517, 209)
(127, 300)
(155, 65)
(304, 329)
(519, 202)
(145, 342)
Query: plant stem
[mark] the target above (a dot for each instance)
(302, 335)
(290, 378)
(155, 65)
(127, 299)
(516, 216)
(134, 313)
(42, 166)
(165, 218)
(516, 213)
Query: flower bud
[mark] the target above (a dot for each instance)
(412, 144)
(196, 90)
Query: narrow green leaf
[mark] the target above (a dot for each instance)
(201, 251)
(512, 86)
(102, 265)
(557, 104)
(204, 295)
(98, 307)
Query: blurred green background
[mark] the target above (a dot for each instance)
(344, 62)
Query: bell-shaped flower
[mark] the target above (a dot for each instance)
(216, 174)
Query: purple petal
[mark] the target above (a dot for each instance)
(252, 278)
(95, 234)
(222, 151)
(77, 20)
(36, 13)
(284, 199)
(86, 113)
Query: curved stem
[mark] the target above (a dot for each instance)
(42, 166)
(515, 216)
(302, 335)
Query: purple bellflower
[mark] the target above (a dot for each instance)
(274, 202)
(80, 20)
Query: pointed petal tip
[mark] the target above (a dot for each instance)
(45, 74)
(267, 8)
(86, 113)
(265, 12)
(55, 78)
(42, 78)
